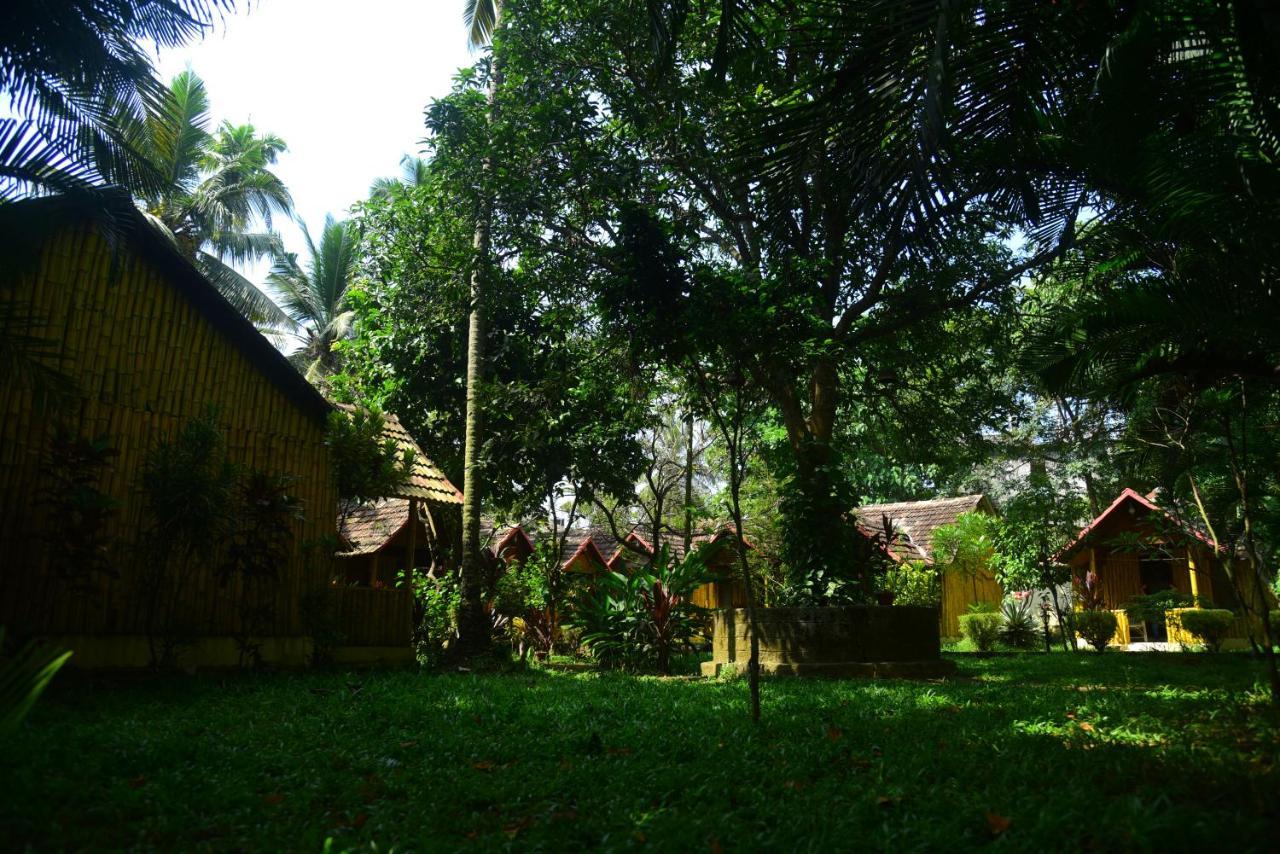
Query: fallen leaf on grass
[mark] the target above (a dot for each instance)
(1086, 726)
(639, 836)
(405, 745)
(997, 823)
(272, 799)
(482, 765)
(620, 751)
(358, 821)
(513, 830)
(794, 785)
(137, 782)
(565, 764)
(834, 733)
(715, 846)
(886, 801)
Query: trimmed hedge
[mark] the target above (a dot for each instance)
(982, 630)
(1210, 625)
(1096, 627)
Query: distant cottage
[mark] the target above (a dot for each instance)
(913, 524)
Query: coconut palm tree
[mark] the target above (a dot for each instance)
(217, 186)
(413, 173)
(482, 20)
(315, 297)
(70, 68)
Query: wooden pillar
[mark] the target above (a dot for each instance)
(413, 540)
(1192, 574)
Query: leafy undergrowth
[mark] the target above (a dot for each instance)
(1058, 752)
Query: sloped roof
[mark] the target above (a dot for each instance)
(1148, 506)
(426, 481)
(368, 527)
(915, 521)
(597, 544)
(30, 221)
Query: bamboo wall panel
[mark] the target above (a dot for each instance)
(375, 617)
(959, 591)
(1120, 577)
(145, 361)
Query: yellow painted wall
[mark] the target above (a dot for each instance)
(144, 362)
(959, 591)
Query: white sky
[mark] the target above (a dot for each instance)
(344, 84)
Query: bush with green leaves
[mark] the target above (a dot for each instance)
(1097, 627)
(1019, 630)
(523, 600)
(1152, 607)
(982, 629)
(912, 582)
(436, 610)
(1209, 625)
(636, 621)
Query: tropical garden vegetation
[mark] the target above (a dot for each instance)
(671, 266)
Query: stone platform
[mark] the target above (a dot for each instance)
(869, 641)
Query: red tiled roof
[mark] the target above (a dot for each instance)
(1144, 501)
(914, 522)
(368, 527)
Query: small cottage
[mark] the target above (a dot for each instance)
(1135, 547)
(912, 525)
(379, 541)
(592, 550)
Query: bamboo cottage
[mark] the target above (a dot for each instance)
(144, 344)
(913, 524)
(1135, 547)
(378, 540)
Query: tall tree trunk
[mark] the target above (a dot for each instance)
(688, 483)
(473, 624)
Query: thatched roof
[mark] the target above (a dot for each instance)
(426, 481)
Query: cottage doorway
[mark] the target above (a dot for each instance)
(1155, 575)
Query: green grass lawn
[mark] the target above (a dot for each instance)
(1137, 752)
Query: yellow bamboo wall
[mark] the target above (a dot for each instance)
(144, 362)
(373, 617)
(961, 590)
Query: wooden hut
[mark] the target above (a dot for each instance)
(913, 524)
(592, 550)
(1135, 547)
(145, 344)
(381, 540)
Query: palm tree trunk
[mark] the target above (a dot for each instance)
(473, 626)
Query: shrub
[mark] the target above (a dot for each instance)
(982, 629)
(1152, 607)
(437, 606)
(635, 622)
(1096, 627)
(1210, 625)
(1019, 629)
(912, 583)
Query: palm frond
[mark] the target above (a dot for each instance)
(241, 293)
(481, 19)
